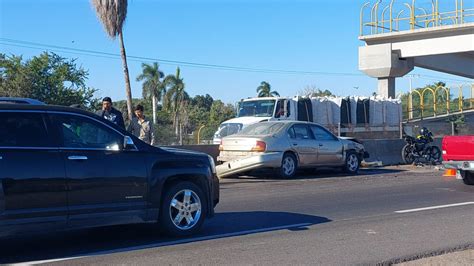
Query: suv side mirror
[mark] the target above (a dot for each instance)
(128, 143)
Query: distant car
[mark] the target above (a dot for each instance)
(64, 168)
(19, 100)
(287, 146)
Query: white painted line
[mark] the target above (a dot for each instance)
(161, 244)
(436, 207)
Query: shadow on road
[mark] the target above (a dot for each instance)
(115, 239)
(267, 175)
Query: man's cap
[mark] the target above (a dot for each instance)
(107, 99)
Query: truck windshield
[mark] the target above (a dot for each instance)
(258, 108)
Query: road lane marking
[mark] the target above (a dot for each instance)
(436, 207)
(161, 244)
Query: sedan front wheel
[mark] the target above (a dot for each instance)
(352, 163)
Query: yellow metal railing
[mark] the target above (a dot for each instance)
(409, 16)
(431, 99)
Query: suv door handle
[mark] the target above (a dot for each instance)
(295, 144)
(77, 158)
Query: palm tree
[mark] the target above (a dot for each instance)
(175, 98)
(152, 87)
(112, 14)
(264, 90)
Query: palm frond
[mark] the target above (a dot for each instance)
(112, 14)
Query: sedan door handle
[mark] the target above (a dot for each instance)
(77, 158)
(320, 145)
(295, 144)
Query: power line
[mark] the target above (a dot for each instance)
(93, 53)
(33, 45)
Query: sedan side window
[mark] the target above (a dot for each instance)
(302, 132)
(291, 133)
(81, 132)
(322, 134)
(23, 130)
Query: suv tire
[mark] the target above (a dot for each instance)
(183, 209)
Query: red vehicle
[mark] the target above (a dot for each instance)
(458, 157)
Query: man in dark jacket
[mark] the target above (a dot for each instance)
(110, 113)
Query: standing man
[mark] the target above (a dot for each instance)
(110, 113)
(142, 127)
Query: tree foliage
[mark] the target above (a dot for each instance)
(265, 90)
(112, 14)
(313, 91)
(153, 87)
(176, 101)
(48, 77)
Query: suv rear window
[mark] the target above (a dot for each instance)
(22, 130)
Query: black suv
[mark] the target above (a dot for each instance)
(64, 168)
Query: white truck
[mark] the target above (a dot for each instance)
(339, 114)
(254, 110)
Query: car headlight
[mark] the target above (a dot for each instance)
(213, 165)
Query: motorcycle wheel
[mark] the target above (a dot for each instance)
(407, 154)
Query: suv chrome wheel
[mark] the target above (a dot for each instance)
(185, 209)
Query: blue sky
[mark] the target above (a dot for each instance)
(314, 36)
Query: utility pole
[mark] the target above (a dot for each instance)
(410, 99)
(410, 96)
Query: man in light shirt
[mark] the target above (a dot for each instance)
(142, 127)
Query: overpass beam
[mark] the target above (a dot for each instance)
(455, 64)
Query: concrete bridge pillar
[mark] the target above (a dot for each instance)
(386, 87)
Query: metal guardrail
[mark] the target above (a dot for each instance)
(410, 16)
(442, 103)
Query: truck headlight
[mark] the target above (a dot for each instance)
(213, 165)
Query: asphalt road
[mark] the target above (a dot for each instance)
(318, 218)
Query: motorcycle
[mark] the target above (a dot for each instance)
(419, 151)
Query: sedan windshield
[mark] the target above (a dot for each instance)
(261, 129)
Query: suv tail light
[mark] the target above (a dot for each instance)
(260, 146)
